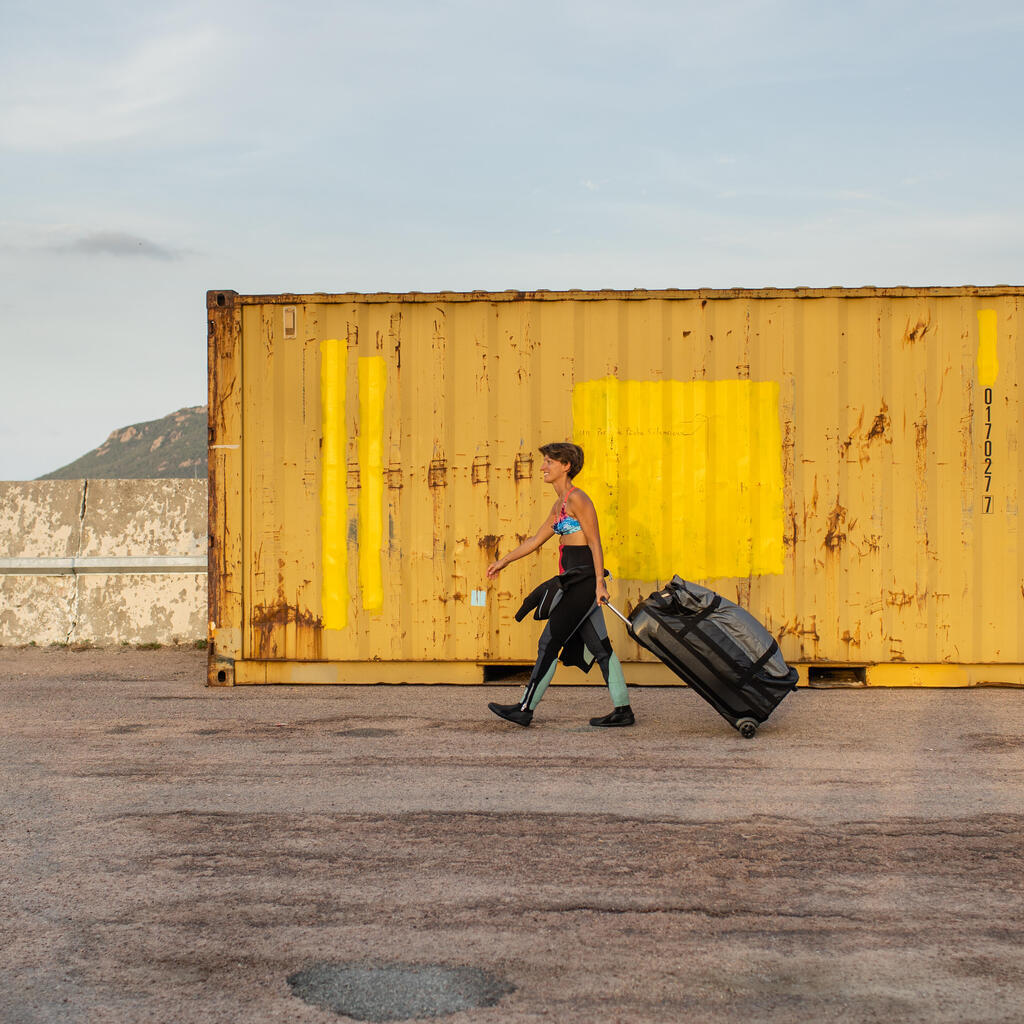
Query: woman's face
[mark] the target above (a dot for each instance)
(552, 469)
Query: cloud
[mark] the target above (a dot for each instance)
(83, 239)
(116, 243)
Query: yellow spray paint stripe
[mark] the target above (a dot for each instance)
(333, 500)
(372, 385)
(988, 355)
(686, 475)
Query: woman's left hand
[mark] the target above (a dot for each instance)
(602, 592)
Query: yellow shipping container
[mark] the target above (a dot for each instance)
(844, 463)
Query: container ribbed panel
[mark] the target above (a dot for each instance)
(894, 520)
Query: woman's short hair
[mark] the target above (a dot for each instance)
(565, 452)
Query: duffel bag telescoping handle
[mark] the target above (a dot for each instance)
(609, 605)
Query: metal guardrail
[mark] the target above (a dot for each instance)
(78, 566)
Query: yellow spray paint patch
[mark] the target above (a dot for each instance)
(372, 384)
(686, 475)
(333, 500)
(988, 356)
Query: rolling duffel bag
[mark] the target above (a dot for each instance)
(717, 648)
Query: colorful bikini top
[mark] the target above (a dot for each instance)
(566, 524)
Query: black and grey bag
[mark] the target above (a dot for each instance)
(717, 648)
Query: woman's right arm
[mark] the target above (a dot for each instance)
(542, 536)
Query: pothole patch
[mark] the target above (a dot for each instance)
(366, 732)
(396, 991)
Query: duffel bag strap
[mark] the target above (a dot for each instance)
(692, 620)
(770, 653)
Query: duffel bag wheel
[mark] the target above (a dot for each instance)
(747, 728)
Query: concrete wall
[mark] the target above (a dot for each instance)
(103, 561)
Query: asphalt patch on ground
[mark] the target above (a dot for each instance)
(396, 991)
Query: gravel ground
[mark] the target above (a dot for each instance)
(173, 853)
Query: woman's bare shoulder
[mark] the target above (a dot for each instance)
(578, 498)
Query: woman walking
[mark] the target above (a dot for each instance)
(571, 601)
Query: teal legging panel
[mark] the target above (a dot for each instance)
(614, 677)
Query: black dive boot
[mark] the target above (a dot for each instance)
(620, 716)
(512, 713)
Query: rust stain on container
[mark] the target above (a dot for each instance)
(881, 425)
(898, 469)
(437, 474)
(286, 631)
(834, 536)
(853, 639)
(918, 331)
(266, 617)
(481, 471)
(523, 466)
(489, 543)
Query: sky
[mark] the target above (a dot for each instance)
(151, 152)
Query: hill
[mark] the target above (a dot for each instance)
(174, 446)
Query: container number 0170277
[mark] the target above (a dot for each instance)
(987, 507)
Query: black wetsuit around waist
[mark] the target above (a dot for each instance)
(575, 627)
